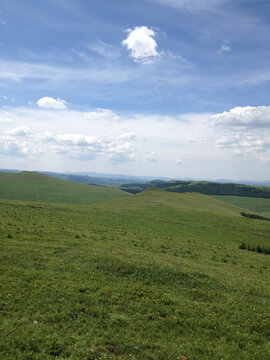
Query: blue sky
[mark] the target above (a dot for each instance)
(176, 88)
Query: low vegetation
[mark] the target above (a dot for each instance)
(151, 276)
(259, 249)
(259, 205)
(254, 216)
(32, 186)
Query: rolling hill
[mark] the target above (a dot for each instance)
(203, 187)
(153, 276)
(32, 186)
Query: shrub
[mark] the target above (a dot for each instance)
(254, 216)
(259, 249)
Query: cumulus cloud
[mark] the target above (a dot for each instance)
(71, 139)
(10, 148)
(244, 117)
(84, 147)
(119, 153)
(19, 131)
(51, 103)
(101, 114)
(141, 44)
(244, 130)
(243, 144)
(127, 136)
(152, 157)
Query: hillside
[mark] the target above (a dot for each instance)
(32, 186)
(260, 205)
(152, 276)
(203, 187)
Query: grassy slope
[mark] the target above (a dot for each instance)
(31, 186)
(259, 205)
(152, 276)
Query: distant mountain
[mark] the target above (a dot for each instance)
(246, 182)
(9, 171)
(101, 180)
(106, 179)
(203, 187)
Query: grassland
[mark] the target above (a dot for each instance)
(32, 186)
(259, 205)
(151, 276)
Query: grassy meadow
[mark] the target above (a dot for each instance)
(32, 186)
(156, 276)
(260, 205)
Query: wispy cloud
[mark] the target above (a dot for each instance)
(192, 4)
(224, 48)
(19, 71)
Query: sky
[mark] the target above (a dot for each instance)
(162, 88)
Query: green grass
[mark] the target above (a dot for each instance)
(151, 276)
(260, 205)
(31, 186)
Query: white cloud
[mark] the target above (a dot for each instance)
(119, 153)
(132, 143)
(19, 131)
(224, 48)
(104, 49)
(51, 103)
(244, 130)
(71, 139)
(127, 136)
(83, 147)
(141, 43)
(243, 143)
(10, 148)
(244, 117)
(101, 115)
(19, 71)
(152, 157)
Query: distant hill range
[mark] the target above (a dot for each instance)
(98, 179)
(136, 184)
(93, 178)
(203, 187)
